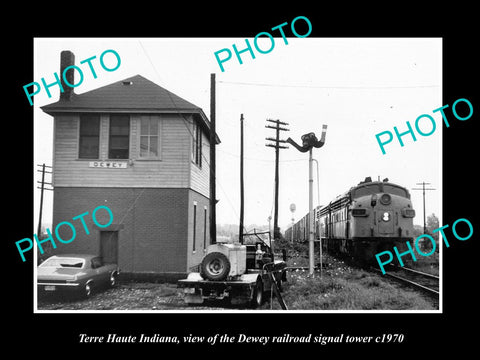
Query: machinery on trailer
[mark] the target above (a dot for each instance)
(239, 273)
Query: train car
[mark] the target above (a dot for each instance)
(369, 218)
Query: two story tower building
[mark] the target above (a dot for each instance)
(143, 152)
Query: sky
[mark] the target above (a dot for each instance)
(358, 87)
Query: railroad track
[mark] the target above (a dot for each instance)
(425, 282)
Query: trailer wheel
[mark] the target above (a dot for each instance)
(278, 281)
(215, 266)
(257, 299)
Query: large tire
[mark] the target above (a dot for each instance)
(215, 266)
(257, 299)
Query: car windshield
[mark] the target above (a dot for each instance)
(64, 262)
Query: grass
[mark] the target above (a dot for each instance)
(429, 264)
(342, 287)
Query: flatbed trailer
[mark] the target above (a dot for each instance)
(248, 288)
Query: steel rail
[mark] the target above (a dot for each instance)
(432, 291)
(421, 273)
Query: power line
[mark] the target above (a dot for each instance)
(185, 120)
(353, 87)
(257, 159)
(186, 123)
(424, 211)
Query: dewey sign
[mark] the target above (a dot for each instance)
(108, 164)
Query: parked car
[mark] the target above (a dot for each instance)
(75, 273)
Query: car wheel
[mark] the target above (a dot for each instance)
(113, 279)
(215, 266)
(88, 289)
(257, 299)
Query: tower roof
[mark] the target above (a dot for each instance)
(134, 95)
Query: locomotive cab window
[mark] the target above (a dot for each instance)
(367, 190)
(395, 190)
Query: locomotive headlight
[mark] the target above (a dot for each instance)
(386, 199)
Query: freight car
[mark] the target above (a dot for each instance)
(369, 218)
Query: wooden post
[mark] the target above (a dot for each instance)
(213, 196)
(39, 229)
(277, 146)
(240, 230)
(42, 189)
(311, 219)
(276, 235)
(423, 183)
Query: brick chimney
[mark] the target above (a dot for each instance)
(67, 58)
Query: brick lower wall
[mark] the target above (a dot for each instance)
(196, 253)
(152, 224)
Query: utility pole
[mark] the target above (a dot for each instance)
(213, 141)
(240, 230)
(424, 211)
(277, 146)
(42, 187)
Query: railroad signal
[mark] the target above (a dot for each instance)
(309, 141)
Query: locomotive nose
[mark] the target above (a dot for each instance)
(386, 224)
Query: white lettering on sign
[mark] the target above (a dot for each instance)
(108, 164)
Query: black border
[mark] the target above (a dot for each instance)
(425, 333)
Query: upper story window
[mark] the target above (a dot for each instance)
(149, 137)
(197, 144)
(89, 137)
(119, 137)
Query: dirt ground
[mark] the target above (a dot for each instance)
(342, 287)
(125, 296)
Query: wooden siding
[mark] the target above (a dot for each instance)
(172, 169)
(200, 176)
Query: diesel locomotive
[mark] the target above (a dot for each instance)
(369, 218)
